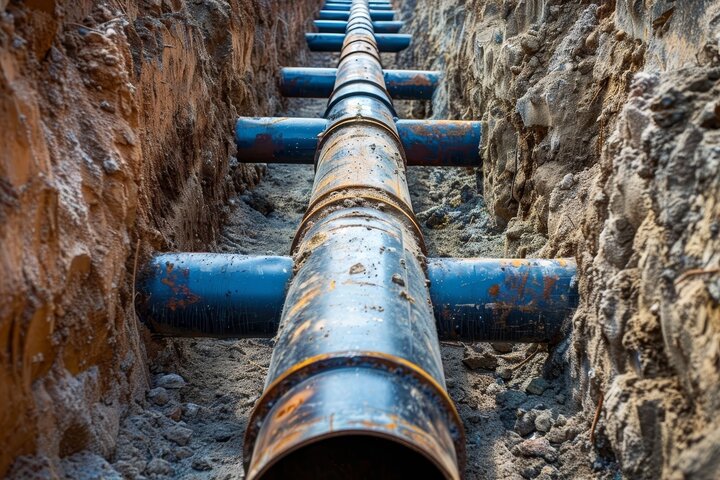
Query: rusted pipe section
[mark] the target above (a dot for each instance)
(441, 143)
(356, 375)
(319, 82)
(475, 299)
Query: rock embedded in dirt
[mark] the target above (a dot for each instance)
(543, 421)
(202, 464)
(537, 386)
(502, 347)
(178, 434)
(170, 381)
(536, 447)
(474, 361)
(159, 466)
(506, 373)
(525, 423)
(159, 396)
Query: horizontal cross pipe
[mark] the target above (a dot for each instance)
(475, 299)
(345, 7)
(339, 26)
(442, 143)
(375, 15)
(333, 42)
(319, 83)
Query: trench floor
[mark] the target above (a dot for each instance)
(193, 428)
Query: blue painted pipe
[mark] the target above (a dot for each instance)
(210, 294)
(345, 7)
(319, 83)
(375, 15)
(474, 299)
(445, 143)
(522, 300)
(339, 26)
(333, 42)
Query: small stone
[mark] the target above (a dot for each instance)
(502, 347)
(536, 447)
(174, 412)
(560, 398)
(191, 410)
(474, 361)
(111, 166)
(512, 398)
(159, 396)
(224, 432)
(450, 382)
(548, 472)
(179, 435)
(202, 464)
(530, 44)
(172, 381)
(543, 421)
(437, 218)
(505, 373)
(567, 182)
(561, 420)
(158, 466)
(466, 193)
(105, 105)
(537, 386)
(556, 435)
(397, 279)
(182, 453)
(525, 424)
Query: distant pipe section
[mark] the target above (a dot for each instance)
(443, 143)
(333, 42)
(319, 82)
(345, 7)
(474, 299)
(375, 15)
(339, 26)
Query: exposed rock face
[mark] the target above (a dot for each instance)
(116, 126)
(601, 141)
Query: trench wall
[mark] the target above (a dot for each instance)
(601, 141)
(115, 140)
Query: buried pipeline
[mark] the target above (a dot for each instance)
(355, 386)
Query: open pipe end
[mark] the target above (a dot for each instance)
(353, 423)
(353, 457)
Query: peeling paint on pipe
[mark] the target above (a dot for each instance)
(474, 299)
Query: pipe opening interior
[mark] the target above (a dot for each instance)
(353, 457)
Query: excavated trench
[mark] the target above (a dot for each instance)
(601, 142)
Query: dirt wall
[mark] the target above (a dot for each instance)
(116, 131)
(600, 141)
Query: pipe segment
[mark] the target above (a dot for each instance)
(318, 83)
(356, 373)
(345, 7)
(333, 42)
(375, 15)
(443, 143)
(474, 299)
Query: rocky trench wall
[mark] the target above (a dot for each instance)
(601, 142)
(116, 123)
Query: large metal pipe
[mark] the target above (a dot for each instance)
(339, 26)
(333, 42)
(444, 143)
(375, 15)
(474, 299)
(318, 83)
(356, 374)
